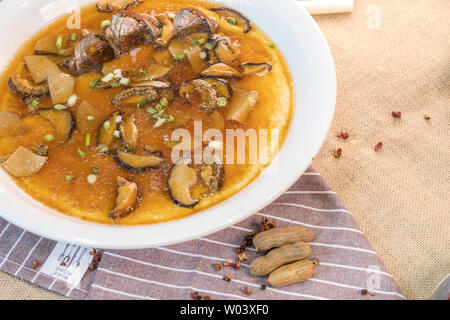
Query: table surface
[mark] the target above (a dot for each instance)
(389, 56)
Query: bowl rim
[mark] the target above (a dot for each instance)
(21, 210)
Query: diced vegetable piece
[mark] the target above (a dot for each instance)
(24, 163)
(41, 67)
(106, 130)
(197, 63)
(181, 179)
(61, 87)
(10, 124)
(137, 163)
(127, 198)
(88, 118)
(242, 103)
(62, 120)
(129, 132)
(179, 47)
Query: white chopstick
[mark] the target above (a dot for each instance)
(327, 6)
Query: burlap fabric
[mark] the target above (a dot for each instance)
(389, 55)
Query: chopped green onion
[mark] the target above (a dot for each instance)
(179, 57)
(171, 118)
(127, 148)
(102, 149)
(90, 118)
(222, 102)
(59, 43)
(34, 103)
(71, 141)
(108, 77)
(49, 137)
(209, 46)
(171, 15)
(92, 178)
(142, 103)
(115, 85)
(159, 123)
(151, 110)
(164, 102)
(81, 153)
(94, 170)
(201, 41)
(272, 45)
(60, 107)
(105, 23)
(73, 37)
(69, 178)
(94, 83)
(87, 141)
(194, 42)
(141, 73)
(106, 125)
(117, 133)
(232, 21)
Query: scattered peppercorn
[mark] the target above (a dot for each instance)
(263, 287)
(242, 256)
(378, 146)
(35, 264)
(396, 114)
(227, 277)
(316, 261)
(241, 249)
(217, 266)
(194, 295)
(226, 263)
(248, 240)
(337, 153)
(426, 117)
(92, 266)
(266, 224)
(62, 264)
(247, 291)
(94, 251)
(364, 292)
(343, 135)
(236, 265)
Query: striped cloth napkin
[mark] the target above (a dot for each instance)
(348, 269)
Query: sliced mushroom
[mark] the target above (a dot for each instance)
(166, 30)
(127, 198)
(110, 5)
(181, 179)
(153, 84)
(91, 52)
(222, 87)
(136, 95)
(213, 176)
(221, 70)
(42, 150)
(47, 45)
(242, 103)
(108, 132)
(62, 120)
(223, 51)
(61, 87)
(23, 87)
(206, 92)
(153, 72)
(129, 132)
(259, 69)
(40, 67)
(129, 29)
(24, 163)
(192, 20)
(233, 17)
(10, 124)
(137, 163)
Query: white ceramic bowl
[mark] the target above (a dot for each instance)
(311, 65)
